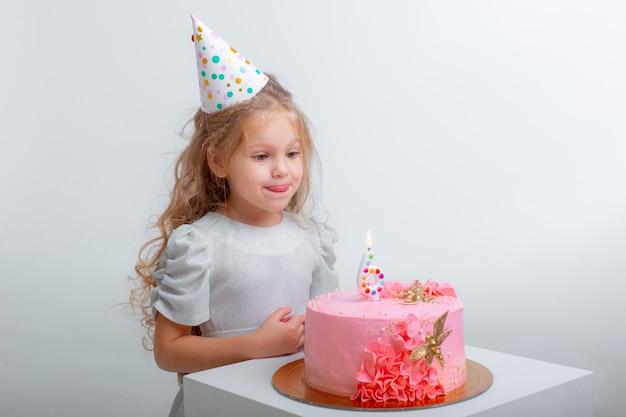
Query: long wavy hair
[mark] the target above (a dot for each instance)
(197, 190)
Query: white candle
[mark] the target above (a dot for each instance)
(369, 278)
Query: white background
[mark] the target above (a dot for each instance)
(482, 143)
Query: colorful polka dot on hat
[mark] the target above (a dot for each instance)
(225, 76)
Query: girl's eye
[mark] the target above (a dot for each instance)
(260, 157)
(293, 154)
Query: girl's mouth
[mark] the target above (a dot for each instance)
(278, 188)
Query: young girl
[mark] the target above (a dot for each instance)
(228, 277)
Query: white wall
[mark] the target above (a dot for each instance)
(482, 142)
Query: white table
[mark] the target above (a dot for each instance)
(521, 387)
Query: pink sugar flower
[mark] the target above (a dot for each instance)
(437, 289)
(388, 374)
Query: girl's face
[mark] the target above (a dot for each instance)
(266, 171)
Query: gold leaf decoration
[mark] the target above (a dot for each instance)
(414, 294)
(419, 353)
(431, 347)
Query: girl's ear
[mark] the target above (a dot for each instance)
(216, 163)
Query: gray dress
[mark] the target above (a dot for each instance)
(227, 277)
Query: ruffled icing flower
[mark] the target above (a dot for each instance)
(416, 291)
(389, 374)
(438, 290)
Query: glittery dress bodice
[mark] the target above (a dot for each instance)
(226, 277)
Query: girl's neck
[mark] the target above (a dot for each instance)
(260, 219)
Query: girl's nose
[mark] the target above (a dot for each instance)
(280, 168)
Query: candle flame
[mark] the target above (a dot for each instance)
(369, 240)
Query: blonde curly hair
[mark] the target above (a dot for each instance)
(197, 190)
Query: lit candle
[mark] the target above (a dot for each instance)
(369, 279)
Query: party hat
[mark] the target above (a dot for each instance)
(224, 75)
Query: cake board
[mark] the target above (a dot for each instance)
(288, 380)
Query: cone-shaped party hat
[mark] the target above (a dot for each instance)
(224, 75)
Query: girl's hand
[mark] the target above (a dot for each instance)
(280, 334)
(177, 349)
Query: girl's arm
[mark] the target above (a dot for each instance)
(176, 349)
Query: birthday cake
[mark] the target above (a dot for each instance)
(406, 346)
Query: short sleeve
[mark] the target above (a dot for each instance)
(182, 293)
(325, 278)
